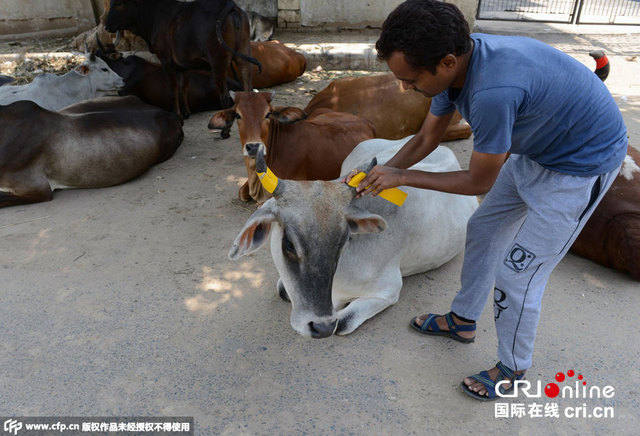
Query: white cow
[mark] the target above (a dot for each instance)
(341, 260)
(92, 78)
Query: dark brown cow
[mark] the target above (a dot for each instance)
(294, 148)
(92, 144)
(151, 83)
(396, 113)
(611, 237)
(198, 35)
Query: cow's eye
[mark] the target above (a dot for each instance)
(267, 115)
(288, 247)
(238, 117)
(105, 70)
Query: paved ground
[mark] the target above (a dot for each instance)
(121, 302)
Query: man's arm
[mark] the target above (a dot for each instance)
(478, 179)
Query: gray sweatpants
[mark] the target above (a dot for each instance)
(520, 232)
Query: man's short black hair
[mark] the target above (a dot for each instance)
(425, 31)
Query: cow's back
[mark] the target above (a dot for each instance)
(280, 64)
(314, 148)
(105, 142)
(379, 99)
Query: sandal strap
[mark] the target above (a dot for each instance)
(428, 321)
(489, 385)
(505, 373)
(454, 328)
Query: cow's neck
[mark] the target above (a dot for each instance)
(147, 11)
(273, 146)
(79, 87)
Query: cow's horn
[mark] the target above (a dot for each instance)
(100, 46)
(373, 163)
(269, 180)
(117, 40)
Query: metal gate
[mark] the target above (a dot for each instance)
(562, 11)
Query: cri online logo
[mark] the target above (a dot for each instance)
(552, 390)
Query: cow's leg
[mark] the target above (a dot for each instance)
(170, 70)
(219, 65)
(385, 294)
(282, 291)
(23, 192)
(183, 85)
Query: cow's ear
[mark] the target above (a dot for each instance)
(255, 232)
(361, 221)
(82, 70)
(288, 115)
(222, 119)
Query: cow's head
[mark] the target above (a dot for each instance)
(122, 16)
(124, 66)
(311, 223)
(101, 77)
(254, 114)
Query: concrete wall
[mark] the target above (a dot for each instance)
(268, 8)
(350, 14)
(45, 17)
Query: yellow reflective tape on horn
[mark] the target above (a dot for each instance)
(269, 180)
(394, 195)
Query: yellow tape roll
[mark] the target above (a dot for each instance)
(394, 195)
(269, 180)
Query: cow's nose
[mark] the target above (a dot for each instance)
(322, 329)
(252, 148)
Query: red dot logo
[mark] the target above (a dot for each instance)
(560, 377)
(570, 373)
(552, 390)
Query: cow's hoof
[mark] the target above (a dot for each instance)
(283, 292)
(243, 193)
(225, 133)
(345, 325)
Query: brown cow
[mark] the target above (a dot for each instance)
(294, 148)
(280, 64)
(611, 237)
(396, 113)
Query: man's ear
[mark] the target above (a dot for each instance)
(362, 221)
(255, 232)
(288, 115)
(448, 62)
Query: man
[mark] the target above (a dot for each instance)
(567, 141)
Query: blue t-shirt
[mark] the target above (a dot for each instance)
(525, 97)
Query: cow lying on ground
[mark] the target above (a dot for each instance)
(280, 64)
(295, 148)
(197, 35)
(611, 237)
(341, 260)
(92, 78)
(150, 82)
(93, 144)
(396, 113)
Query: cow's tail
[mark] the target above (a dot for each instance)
(226, 11)
(602, 64)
